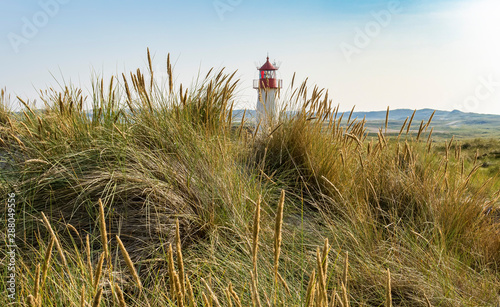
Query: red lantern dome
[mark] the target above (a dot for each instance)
(268, 66)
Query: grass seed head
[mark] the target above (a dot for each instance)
(102, 227)
(129, 262)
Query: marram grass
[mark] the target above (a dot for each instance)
(157, 197)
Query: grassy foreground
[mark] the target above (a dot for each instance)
(156, 198)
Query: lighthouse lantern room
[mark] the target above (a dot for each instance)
(267, 87)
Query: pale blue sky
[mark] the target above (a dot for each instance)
(425, 54)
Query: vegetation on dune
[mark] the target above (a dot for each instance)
(157, 198)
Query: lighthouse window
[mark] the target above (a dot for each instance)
(267, 74)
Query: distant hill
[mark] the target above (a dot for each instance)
(402, 114)
(445, 123)
(424, 114)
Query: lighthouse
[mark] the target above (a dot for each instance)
(267, 87)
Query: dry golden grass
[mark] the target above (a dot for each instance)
(97, 298)
(90, 269)
(82, 296)
(196, 203)
(56, 241)
(255, 236)
(46, 261)
(129, 262)
(180, 263)
(121, 298)
(102, 227)
(98, 271)
(388, 299)
(278, 233)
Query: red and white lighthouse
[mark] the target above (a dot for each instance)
(267, 87)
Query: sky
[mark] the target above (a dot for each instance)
(439, 54)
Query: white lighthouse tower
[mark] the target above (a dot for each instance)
(267, 87)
